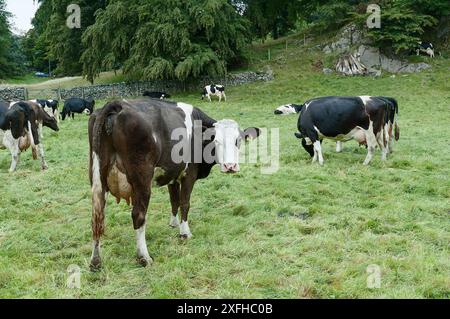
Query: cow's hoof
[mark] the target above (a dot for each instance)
(174, 223)
(44, 167)
(144, 262)
(96, 264)
(185, 236)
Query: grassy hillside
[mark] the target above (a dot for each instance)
(304, 232)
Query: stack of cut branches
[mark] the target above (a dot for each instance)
(350, 65)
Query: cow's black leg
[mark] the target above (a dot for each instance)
(187, 186)
(174, 191)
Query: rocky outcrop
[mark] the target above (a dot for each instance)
(351, 40)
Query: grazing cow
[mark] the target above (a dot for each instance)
(365, 119)
(425, 47)
(214, 89)
(288, 109)
(135, 144)
(77, 105)
(19, 124)
(157, 95)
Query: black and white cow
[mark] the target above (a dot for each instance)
(77, 105)
(157, 95)
(135, 145)
(20, 124)
(365, 119)
(214, 90)
(288, 109)
(425, 47)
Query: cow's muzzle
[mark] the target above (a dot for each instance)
(230, 168)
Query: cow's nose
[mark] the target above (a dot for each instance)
(231, 168)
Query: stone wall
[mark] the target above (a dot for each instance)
(15, 93)
(137, 88)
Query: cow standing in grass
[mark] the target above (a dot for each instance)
(368, 120)
(132, 147)
(20, 125)
(214, 90)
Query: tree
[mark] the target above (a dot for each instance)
(165, 39)
(11, 61)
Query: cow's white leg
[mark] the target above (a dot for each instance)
(41, 131)
(209, 98)
(338, 147)
(142, 252)
(174, 222)
(220, 98)
(382, 144)
(41, 155)
(185, 231)
(315, 157)
(15, 154)
(371, 144)
(318, 150)
(98, 212)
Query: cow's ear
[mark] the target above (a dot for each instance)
(252, 133)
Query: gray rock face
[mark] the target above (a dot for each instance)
(370, 56)
(14, 93)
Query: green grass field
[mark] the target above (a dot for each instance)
(304, 232)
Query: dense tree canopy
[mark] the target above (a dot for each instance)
(172, 39)
(11, 58)
(159, 39)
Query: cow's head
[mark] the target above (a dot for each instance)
(90, 104)
(50, 121)
(308, 147)
(288, 109)
(228, 139)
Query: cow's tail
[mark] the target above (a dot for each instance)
(396, 126)
(99, 125)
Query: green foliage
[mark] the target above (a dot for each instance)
(51, 39)
(405, 23)
(163, 39)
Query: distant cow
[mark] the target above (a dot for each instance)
(157, 95)
(214, 90)
(19, 129)
(425, 47)
(77, 105)
(365, 119)
(288, 109)
(135, 145)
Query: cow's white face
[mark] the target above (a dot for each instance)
(228, 140)
(285, 110)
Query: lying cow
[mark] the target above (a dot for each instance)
(288, 109)
(133, 146)
(425, 47)
(365, 119)
(157, 95)
(77, 105)
(20, 125)
(214, 90)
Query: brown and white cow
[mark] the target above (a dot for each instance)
(20, 128)
(135, 145)
(368, 120)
